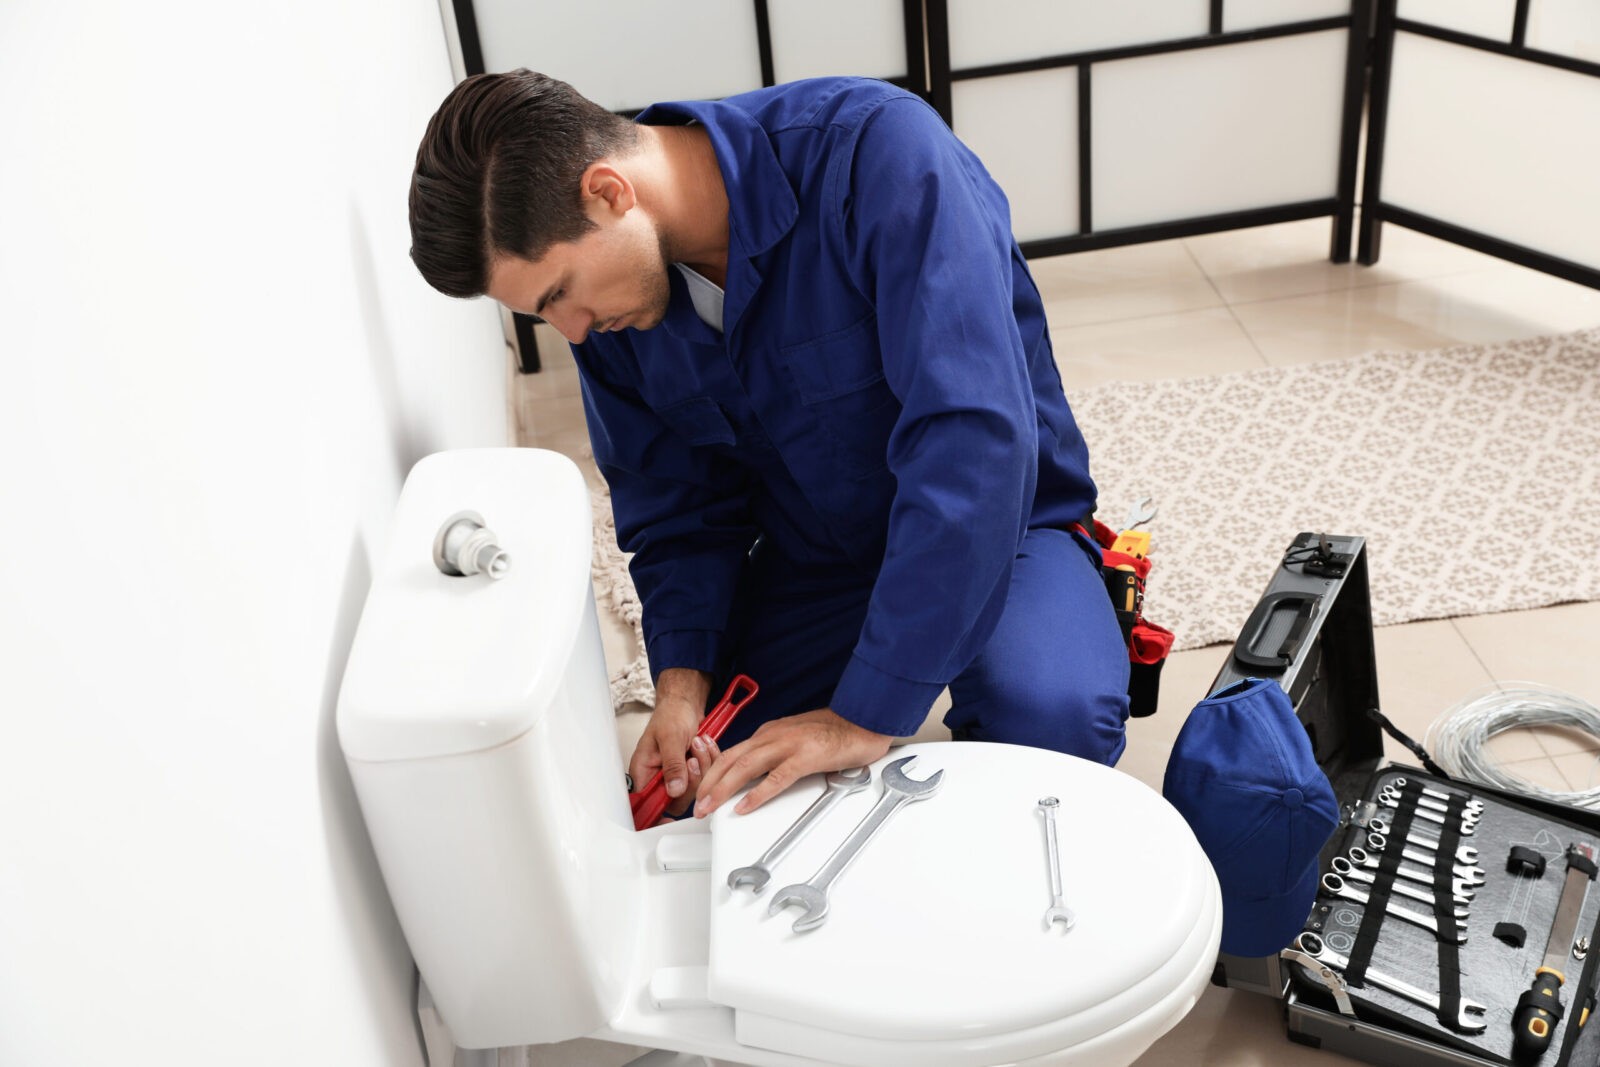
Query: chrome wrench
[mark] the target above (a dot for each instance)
(1332, 883)
(1469, 825)
(1474, 808)
(1466, 855)
(837, 786)
(898, 791)
(1058, 910)
(1464, 880)
(1472, 1020)
(1473, 803)
(1350, 872)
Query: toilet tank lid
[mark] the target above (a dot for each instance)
(445, 665)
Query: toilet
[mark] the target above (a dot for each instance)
(476, 720)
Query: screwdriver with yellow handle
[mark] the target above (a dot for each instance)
(1539, 1010)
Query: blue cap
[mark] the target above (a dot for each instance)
(1243, 774)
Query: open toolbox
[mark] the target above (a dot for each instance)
(1438, 897)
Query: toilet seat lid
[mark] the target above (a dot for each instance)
(936, 931)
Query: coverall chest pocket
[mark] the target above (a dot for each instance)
(700, 421)
(839, 380)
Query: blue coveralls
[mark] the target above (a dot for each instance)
(861, 491)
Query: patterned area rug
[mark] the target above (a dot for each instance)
(1473, 473)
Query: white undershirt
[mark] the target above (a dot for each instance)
(706, 295)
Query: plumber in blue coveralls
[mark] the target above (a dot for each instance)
(818, 380)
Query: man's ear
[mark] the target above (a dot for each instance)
(607, 189)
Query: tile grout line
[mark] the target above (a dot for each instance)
(1248, 336)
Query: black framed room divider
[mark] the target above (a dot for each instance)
(1108, 126)
(1529, 81)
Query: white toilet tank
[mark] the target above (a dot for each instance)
(476, 720)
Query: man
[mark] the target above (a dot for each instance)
(818, 380)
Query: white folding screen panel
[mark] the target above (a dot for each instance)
(625, 54)
(1493, 19)
(1493, 144)
(1255, 14)
(1566, 27)
(1230, 128)
(814, 38)
(1025, 129)
(986, 32)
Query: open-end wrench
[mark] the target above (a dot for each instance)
(837, 786)
(1467, 855)
(1058, 912)
(1463, 879)
(1347, 870)
(1140, 513)
(1473, 803)
(1332, 883)
(1469, 825)
(1472, 1020)
(898, 791)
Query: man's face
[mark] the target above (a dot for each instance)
(612, 278)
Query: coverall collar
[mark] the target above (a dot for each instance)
(762, 208)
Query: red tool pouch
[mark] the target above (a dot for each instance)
(1125, 575)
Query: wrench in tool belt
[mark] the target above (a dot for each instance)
(838, 785)
(1473, 1018)
(1140, 513)
(898, 791)
(1333, 884)
(1351, 873)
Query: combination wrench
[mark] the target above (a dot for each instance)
(1350, 872)
(1473, 1018)
(1469, 825)
(1464, 880)
(898, 791)
(1471, 877)
(838, 785)
(1473, 803)
(1333, 884)
(1058, 912)
(1466, 855)
(1473, 809)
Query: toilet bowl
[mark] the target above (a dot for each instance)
(475, 718)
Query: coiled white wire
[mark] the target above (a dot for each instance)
(1458, 738)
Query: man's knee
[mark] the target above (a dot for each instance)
(1081, 716)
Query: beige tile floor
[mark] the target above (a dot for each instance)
(1238, 301)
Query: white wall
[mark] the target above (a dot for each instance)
(216, 364)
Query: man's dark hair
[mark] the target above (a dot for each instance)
(498, 175)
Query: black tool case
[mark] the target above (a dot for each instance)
(1312, 632)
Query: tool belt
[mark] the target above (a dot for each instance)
(1125, 567)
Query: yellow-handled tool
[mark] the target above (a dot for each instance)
(1539, 1009)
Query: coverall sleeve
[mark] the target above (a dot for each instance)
(681, 509)
(928, 239)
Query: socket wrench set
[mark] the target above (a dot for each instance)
(1454, 921)
(1459, 917)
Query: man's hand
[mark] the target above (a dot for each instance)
(680, 705)
(786, 750)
